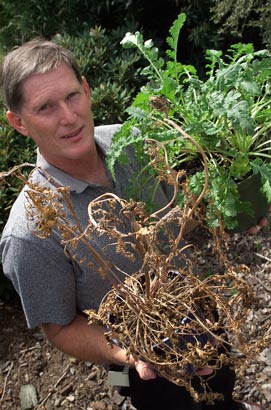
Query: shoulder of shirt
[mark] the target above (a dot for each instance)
(104, 134)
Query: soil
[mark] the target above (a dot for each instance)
(65, 383)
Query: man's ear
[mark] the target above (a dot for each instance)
(16, 122)
(86, 86)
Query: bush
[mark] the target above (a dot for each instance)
(249, 21)
(14, 149)
(32, 18)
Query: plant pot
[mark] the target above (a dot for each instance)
(250, 190)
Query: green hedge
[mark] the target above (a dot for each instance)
(14, 149)
(23, 20)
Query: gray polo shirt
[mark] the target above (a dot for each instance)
(52, 284)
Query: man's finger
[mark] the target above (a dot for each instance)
(204, 372)
(145, 370)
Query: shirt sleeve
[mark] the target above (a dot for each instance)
(44, 278)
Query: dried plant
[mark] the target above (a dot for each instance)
(166, 313)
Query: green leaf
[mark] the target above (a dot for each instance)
(267, 190)
(127, 135)
(240, 49)
(263, 115)
(251, 87)
(264, 169)
(196, 183)
(175, 32)
(213, 58)
(240, 166)
(238, 112)
(170, 88)
(142, 100)
(136, 113)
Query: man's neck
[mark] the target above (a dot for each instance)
(90, 169)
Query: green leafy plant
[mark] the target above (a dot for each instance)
(228, 114)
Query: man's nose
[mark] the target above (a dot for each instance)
(67, 115)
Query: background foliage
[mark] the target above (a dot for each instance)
(93, 29)
(250, 21)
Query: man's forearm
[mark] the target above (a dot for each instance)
(84, 341)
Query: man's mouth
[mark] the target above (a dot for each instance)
(72, 134)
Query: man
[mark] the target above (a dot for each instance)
(48, 100)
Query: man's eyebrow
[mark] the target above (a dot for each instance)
(73, 92)
(37, 105)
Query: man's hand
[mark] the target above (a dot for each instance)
(84, 341)
(147, 372)
(261, 224)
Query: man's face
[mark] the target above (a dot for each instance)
(56, 114)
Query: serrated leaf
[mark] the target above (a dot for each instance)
(267, 190)
(251, 87)
(126, 136)
(175, 32)
(136, 113)
(240, 167)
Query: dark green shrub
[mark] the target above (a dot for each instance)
(23, 20)
(249, 21)
(14, 149)
(210, 23)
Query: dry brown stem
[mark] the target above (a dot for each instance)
(166, 313)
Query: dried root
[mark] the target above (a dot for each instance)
(166, 314)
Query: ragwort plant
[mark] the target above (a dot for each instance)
(163, 313)
(228, 113)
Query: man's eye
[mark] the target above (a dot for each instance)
(43, 108)
(73, 95)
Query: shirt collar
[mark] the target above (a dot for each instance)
(63, 179)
